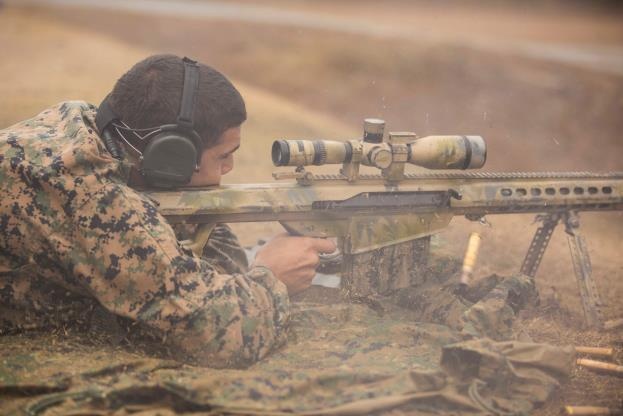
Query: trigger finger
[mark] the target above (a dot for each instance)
(325, 245)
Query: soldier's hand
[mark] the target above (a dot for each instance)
(293, 260)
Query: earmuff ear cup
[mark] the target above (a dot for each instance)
(169, 160)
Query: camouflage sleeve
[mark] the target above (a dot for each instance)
(132, 262)
(223, 250)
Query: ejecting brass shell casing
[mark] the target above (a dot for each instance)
(603, 352)
(600, 366)
(469, 260)
(588, 410)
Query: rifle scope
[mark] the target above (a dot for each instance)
(432, 152)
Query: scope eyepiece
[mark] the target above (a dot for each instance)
(280, 153)
(310, 152)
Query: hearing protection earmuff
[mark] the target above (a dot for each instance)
(173, 151)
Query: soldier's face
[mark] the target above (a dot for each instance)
(218, 159)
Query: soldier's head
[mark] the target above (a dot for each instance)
(150, 94)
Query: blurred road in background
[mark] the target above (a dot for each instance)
(414, 26)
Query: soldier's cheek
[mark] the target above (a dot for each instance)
(227, 167)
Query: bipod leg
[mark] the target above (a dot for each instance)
(539, 243)
(591, 302)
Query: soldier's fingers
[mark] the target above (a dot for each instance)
(323, 245)
(307, 260)
(315, 260)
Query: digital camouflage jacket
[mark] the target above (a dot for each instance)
(72, 231)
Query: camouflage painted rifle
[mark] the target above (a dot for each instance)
(368, 213)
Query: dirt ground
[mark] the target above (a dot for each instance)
(534, 114)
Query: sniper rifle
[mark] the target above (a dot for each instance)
(368, 212)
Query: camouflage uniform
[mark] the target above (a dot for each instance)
(73, 233)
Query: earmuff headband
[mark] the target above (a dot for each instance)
(189, 94)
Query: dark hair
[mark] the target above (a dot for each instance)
(149, 95)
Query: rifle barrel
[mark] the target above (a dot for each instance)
(332, 197)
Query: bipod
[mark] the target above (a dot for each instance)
(591, 302)
(539, 243)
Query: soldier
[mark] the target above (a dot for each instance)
(75, 230)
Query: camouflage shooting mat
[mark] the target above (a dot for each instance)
(340, 359)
